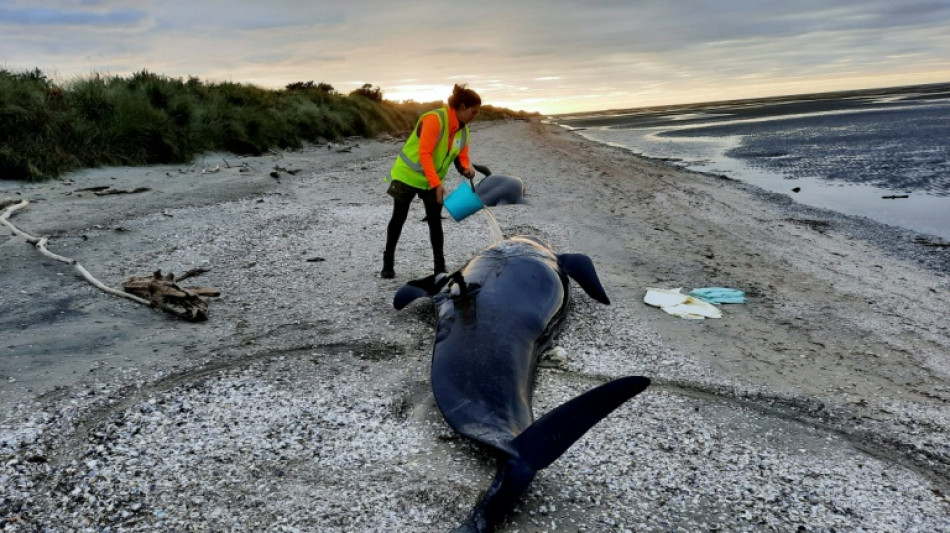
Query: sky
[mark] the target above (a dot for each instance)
(547, 56)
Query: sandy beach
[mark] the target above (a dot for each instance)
(303, 402)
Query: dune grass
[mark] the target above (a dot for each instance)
(47, 129)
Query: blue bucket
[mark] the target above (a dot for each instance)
(463, 201)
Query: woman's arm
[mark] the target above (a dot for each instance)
(428, 138)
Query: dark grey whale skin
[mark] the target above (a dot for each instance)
(495, 317)
(498, 190)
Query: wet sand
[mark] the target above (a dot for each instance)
(302, 404)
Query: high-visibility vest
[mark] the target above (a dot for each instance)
(407, 168)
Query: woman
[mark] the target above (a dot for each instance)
(440, 136)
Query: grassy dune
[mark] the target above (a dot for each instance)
(48, 129)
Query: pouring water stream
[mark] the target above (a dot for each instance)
(493, 226)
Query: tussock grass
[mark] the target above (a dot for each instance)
(48, 129)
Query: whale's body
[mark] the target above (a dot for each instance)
(495, 317)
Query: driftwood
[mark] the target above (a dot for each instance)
(924, 241)
(109, 191)
(104, 190)
(292, 172)
(194, 312)
(164, 293)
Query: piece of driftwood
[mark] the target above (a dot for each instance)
(924, 241)
(109, 191)
(895, 196)
(9, 207)
(105, 190)
(292, 172)
(163, 292)
(192, 273)
(40, 244)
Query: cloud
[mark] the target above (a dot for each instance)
(56, 17)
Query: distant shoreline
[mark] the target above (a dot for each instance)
(680, 108)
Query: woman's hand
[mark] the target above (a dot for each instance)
(468, 173)
(440, 193)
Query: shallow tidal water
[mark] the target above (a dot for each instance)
(884, 157)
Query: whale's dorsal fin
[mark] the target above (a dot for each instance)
(551, 435)
(581, 269)
(419, 288)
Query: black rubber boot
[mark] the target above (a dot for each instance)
(388, 272)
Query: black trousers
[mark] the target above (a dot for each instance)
(402, 199)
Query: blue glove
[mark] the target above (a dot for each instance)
(719, 295)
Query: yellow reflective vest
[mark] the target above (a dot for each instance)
(407, 167)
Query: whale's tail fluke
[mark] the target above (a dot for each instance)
(551, 435)
(542, 443)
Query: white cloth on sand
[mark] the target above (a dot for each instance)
(674, 302)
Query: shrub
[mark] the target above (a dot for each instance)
(374, 94)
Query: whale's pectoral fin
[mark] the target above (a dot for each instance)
(551, 435)
(419, 288)
(581, 269)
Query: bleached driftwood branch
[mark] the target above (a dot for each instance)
(156, 300)
(40, 244)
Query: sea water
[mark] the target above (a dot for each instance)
(848, 154)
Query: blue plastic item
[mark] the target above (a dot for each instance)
(719, 295)
(463, 201)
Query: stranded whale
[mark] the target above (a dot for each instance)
(495, 317)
